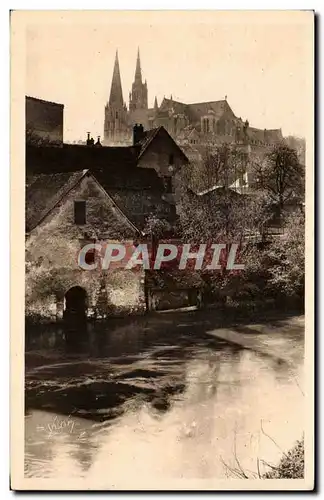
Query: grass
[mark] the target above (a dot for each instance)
(291, 465)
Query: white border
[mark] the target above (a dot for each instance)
(4, 199)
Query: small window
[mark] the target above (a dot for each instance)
(80, 212)
(171, 159)
(116, 114)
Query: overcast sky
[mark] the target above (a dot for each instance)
(261, 61)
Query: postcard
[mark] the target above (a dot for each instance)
(162, 263)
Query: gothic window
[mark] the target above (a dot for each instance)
(207, 125)
(80, 212)
(116, 115)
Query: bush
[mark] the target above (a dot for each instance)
(291, 466)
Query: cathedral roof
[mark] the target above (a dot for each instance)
(195, 110)
(264, 136)
(178, 107)
(218, 108)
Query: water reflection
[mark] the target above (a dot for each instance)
(161, 406)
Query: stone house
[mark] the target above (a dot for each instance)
(55, 235)
(65, 211)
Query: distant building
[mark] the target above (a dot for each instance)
(44, 122)
(194, 124)
(116, 129)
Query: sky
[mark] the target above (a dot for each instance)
(262, 62)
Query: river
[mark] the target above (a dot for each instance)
(134, 405)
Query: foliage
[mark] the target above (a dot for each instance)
(280, 175)
(287, 256)
(156, 227)
(291, 466)
(32, 138)
(220, 166)
(219, 215)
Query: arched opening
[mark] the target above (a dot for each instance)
(76, 300)
(75, 315)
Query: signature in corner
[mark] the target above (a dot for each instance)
(58, 426)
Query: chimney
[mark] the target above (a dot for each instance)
(88, 139)
(98, 143)
(138, 133)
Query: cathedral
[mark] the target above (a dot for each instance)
(190, 125)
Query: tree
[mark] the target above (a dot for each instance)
(280, 175)
(221, 166)
(33, 138)
(287, 254)
(156, 227)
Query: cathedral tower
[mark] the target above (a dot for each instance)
(138, 97)
(116, 130)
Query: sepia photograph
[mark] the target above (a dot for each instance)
(162, 183)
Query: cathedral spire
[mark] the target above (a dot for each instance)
(116, 93)
(138, 71)
(155, 104)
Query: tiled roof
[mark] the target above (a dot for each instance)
(71, 157)
(148, 137)
(44, 191)
(129, 178)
